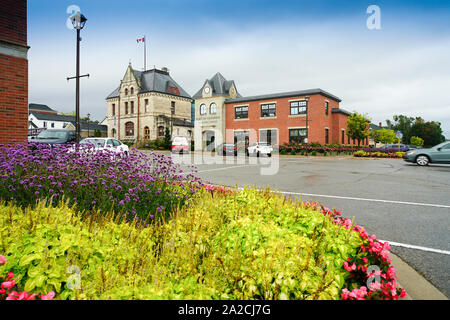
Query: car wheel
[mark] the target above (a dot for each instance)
(422, 160)
(246, 153)
(269, 155)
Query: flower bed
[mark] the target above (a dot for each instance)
(365, 154)
(140, 186)
(227, 245)
(296, 148)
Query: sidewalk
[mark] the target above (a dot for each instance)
(416, 286)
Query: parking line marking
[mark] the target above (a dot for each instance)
(410, 246)
(366, 199)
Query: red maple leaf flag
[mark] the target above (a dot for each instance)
(141, 40)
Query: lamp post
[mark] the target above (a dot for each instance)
(78, 22)
(89, 118)
(307, 120)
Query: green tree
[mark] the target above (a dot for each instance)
(417, 141)
(97, 133)
(403, 124)
(384, 136)
(429, 131)
(358, 127)
(167, 139)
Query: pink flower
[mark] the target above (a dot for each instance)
(374, 286)
(365, 260)
(402, 293)
(8, 285)
(2, 259)
(344, 294)
(48, 296)
(12, 296)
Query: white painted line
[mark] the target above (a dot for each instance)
(410, 246)
(365, 199)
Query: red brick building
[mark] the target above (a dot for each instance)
(13, 71)
(286, 117)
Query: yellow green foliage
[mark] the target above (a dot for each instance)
(249, 245)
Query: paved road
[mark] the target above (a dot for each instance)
(407, 205)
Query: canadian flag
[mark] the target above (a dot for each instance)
(141, 40)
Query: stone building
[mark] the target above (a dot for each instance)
(145, 104)
(210, 111)
(13, 71)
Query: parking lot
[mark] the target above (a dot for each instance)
(402, 203)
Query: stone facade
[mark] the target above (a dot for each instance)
(145, 104)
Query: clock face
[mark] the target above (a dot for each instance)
(207, 90)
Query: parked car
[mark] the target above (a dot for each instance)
(56, 136)
(260, 148)
(437, 154)
(394, 147)
(100, 144)
(227, 148)
(180, 145)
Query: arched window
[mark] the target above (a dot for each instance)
(147, 133)
(203, 109)
(129, 129)
(212, 108)
(132, 90)
(160, 131)
(126, 91)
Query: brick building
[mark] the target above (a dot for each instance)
(287, 117)
(13, 71)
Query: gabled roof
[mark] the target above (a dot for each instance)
(285, 95)
(69, 119)
(155, 80)
(219, 86)
(40, 107)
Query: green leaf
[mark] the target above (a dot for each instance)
(30, 285)
(28, 259)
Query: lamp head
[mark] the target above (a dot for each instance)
(78, 21)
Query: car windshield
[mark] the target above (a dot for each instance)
(52, 135)
(441, 145)
(95, 142)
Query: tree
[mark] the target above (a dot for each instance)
(403, 124)
(97, 133)
(384, 136)
(430, 132)
(358, 127)
(167, 138)
(417, 141)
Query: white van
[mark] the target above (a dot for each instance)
(180, 145)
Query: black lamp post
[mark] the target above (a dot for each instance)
(307, 120)
(78, 21)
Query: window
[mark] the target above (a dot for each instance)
(126, 91)
(109, 143)
(268, 110)
(348, 140)
(172, 107)
(147, 133)
(146, 105)
(343, 136)
(132, 90)
(203, 109)
(129, 129)
(326, 107)
(116, 143)
(132, 107)
(297, 135)
(212, 108)
(126, 107)
(298, 107)
(269, 136)
(327, 135)
(446, 147)
(241, 112)
(45, 124)
(113, 132)
(113, 109)
(160, 131)
(53, 125)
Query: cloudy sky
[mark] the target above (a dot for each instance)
(265, 46)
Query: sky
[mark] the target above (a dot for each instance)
(402, 67)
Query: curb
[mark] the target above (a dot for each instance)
(416, 286)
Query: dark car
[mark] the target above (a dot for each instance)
(56, 136)
(423, 157)
(227, 148)
(395, 148)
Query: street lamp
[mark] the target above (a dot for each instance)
(78, 22)
(89, 118)
(307, 120)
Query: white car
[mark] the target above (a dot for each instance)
(111, 144)
(180, 145)
(260, 148)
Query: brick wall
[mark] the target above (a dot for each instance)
(13, 72)
(318, 120)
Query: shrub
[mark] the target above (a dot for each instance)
(137, 186)
(417, 141)
(314, 152)
(293, 153)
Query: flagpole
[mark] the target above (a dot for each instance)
(145, 54)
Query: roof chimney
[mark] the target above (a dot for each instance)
(165, 69)
(380, 124)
